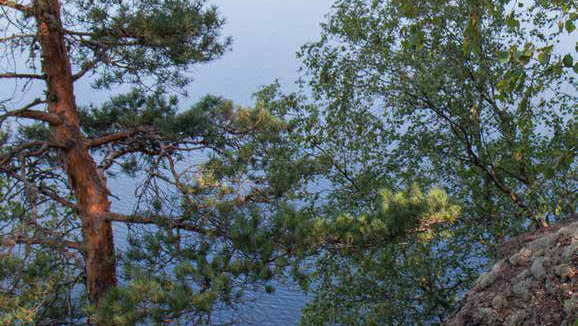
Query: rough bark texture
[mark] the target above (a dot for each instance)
(89, 189)
(534, 283)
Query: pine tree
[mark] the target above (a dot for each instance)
(194, 240)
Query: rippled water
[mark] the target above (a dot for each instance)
(280, 308)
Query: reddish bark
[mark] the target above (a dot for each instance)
(88, 188)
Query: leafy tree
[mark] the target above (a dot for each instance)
(443, 100)
(469, 96)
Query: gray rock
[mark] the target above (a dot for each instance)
(499, 302)
(570, 252)
(539, 267)
(564, 272)
(522, 289)
(490, 277)
(535, 286)
(521, 257)
(517, 319)
(542, 244)
(571, 307)
(489, 316)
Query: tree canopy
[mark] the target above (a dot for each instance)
(478, 98)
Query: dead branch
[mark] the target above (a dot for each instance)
(15, 37)
(11, 241)
(41, 145)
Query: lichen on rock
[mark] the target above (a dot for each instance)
(534, 283)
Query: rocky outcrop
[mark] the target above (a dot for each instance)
(533, 284)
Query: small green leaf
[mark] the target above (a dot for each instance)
(503, 57)
(570, 27)
(512, 23)
(568, 61)
(544, 58)
(576, 68)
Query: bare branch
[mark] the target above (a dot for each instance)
(11, 241)
(17, 6)
(161, 221)
(15, 37)
(86, 67)
(25, 112)
(48, 117)
(114, 137)
(18, 149)
(23, 76)
(40, 189)
(71, 32)
(111, 156)
(24, 108)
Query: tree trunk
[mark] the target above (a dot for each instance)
(88, 188)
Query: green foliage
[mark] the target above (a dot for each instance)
(35, 283)
(126, 111)
(450, 95)
(411, 210)
(230, 183)
(398, 215)
(157, 40)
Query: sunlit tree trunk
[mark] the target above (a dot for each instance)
(89, 189)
